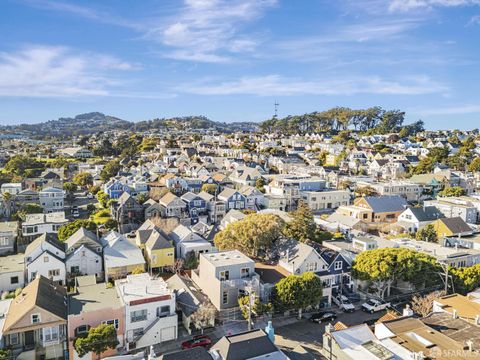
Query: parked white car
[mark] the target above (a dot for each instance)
(374, 305)
(343, 303)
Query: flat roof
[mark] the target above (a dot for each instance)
(141, 286)
(93, 297)
(225, 258)
(12, 263)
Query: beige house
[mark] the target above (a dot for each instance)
(35, 325)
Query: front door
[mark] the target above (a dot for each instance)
(29, 338)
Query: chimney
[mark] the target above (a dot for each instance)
(270, 331)
(454, 314)
(407, 311)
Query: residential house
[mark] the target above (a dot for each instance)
(45, 256)
(244, 175)
(216, 208)
(91, 305)
(326, 200)
(150, 316)
(152, 209)
(408, 190)
(186, 240)
(38, 224)
(172, 206)
(11, 188)
(121, 257)
(195, 205)
(231, 217)
(35, 324)
(224, 276)
(255, 199)
(189, 299)
(250, 345)
(451, 227)
(159, 252)
(8, 237)
(76, 152)
(12, 273)
(128, 212)
(233, 199)
(114, 188)
(454, 207)
(416, 218)
(84, 254)
(51, 199)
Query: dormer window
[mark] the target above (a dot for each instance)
(35, 318)
(338, 265)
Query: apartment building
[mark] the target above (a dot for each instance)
(324, 200)
(38, 224)
(51, 199)
(455, 207)
(407, 190)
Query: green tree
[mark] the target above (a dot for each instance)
(5, 354)
(260, 183)
(98, 340)
(466, 279)
(28, 209)
(474, 166)
(83, 179)
(252, 235)
(452, 191)
(191, 261)
(258, 308)
(427, 233)
(20, 164)
(67, 230)
(302, 227)
(70, 187)
(110, 170)
(209, 188)
(383, 267)
(298, 291)
(141, 198)
(103, 198)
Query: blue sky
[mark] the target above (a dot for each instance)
(231, 60)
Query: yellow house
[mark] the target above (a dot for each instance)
(455, 226)
(332, 160)
(159, 252)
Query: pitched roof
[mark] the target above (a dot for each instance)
(196, 353)
(80, 235)
(246, 345)
(42, 293)
(456, 225)
(427, 213)
(48, 238)
(157, 241)
(168, 198)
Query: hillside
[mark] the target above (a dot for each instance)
(95, 122)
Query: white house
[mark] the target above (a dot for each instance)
(414, 219)
(38, 224)
(11, 188)
(149, 310)
(51, 199)
(46, 256)
(324, 200)
(12, 272)
(186, 240)
(84, 254)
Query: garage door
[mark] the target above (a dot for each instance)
(168, 333)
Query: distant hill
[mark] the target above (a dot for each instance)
(95, 122)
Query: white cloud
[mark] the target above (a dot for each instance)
(209, 30)
(48, 71)
(407, 5)
(280, 86)
(454, 110)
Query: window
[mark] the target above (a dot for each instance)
(35, 318)
(75, 269)
(113, 322)
(4, 241)
(244, 273)
(312, 266)
(50, 333)
(46, 259)
(137, 332)
(55, 272)
(338, 265)
(225, 297)
(14, 280)
(138, 315)
(224, 275)
(163, 311)
(82, 329)
(14, 339)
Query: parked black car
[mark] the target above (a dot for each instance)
(323, 316)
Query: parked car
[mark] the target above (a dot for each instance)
(75, 213)
(90, 196)
(196, 341)
(323, 316)
(374, 305)
(343, 303)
